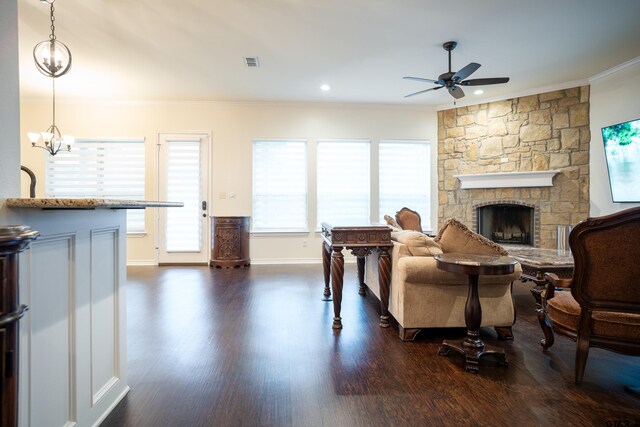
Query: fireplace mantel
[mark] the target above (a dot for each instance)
(508, 179)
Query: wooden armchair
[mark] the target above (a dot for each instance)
(409, 219)
(601, 307)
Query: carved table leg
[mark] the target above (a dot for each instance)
(337, 275)
(545, 324)
(536, 291)
(472, 346)
(384, 280)
(361, 260)
(326, 269)
(473, 314)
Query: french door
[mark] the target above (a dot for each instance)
(183, 176)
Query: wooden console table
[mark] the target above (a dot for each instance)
(472, 265)
(361, 240)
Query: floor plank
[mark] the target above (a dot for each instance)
(254, 347)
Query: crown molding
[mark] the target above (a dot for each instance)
(615, 70)
(223, 104)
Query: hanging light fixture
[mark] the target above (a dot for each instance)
(53, 59)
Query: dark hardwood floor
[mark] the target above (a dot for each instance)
(254, 347)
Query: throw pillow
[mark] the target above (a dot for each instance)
(419, 244)
(454, 236)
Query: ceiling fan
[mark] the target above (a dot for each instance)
(452, 81)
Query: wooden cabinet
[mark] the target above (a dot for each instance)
(230, 241)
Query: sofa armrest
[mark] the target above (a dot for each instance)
(399, 250)
(418, 269)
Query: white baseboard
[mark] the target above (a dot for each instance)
(137, 262)
(260, 261)
(284, 261)
(275, 261)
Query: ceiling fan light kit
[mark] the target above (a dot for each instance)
(453, 80)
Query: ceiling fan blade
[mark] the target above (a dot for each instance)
(456, 92)
(420, 79)
(489, 81)
(465, 72)
(423, 91)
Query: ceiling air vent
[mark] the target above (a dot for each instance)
(252, 62)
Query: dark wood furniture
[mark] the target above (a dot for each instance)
(13, 240)
(360, 240)
(472, 347)
(409, 219)
(602, 306)
(229, 241)
(536, 262)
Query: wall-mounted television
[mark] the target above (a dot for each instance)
(622, 151)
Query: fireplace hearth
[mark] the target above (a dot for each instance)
(506, 223)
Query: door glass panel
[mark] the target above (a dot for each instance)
(183, 226)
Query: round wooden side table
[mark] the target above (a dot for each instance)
(472, 347)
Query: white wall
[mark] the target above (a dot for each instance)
(9, 105)
(615, 98)
(233, 127)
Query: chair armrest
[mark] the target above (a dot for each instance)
(557, 282)
(553, 282)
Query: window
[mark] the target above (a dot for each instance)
(109, 169)
(343, 181)
(279, 186)
(404, 168)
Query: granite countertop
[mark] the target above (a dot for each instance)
(46, 203)
(540, 256)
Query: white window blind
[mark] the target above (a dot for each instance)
(404, 168)
(343, 181)
(184, 228)
(110, 169)
(279, 186)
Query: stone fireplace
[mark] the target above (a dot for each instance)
(507, 222)
(538, 133)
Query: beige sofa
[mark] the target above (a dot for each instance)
(423, 296)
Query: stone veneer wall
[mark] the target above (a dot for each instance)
(548, 131)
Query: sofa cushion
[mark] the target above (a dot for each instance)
(419, 244)
(454, 236)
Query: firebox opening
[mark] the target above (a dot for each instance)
(506, 224)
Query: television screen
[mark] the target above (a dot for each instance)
(622, 151)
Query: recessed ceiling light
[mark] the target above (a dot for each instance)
(325, 88)
(478, 92)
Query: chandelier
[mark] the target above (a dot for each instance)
(53, 59)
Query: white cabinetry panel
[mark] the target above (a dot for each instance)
(51, 321)
(104, 309)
